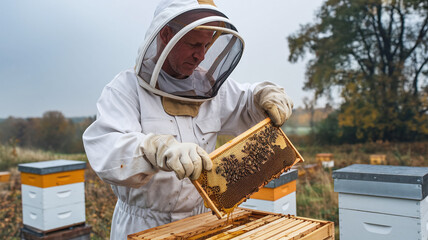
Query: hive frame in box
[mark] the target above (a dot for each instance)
(245, 223)
(234, 142)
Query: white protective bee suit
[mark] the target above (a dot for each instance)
(132, 112)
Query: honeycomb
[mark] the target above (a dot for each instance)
(245, 164)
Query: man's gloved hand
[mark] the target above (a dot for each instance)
(185, 159)
(274, 101)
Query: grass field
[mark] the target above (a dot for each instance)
(315, 196)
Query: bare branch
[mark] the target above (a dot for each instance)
(386, 42)
(422, 33)
(361, 63)
(415, 79)
(378, 39)
(368, 50)
(400, 45)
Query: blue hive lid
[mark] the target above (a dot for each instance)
(51, 166)
(383, 173)
(286, 177)
(382, 180)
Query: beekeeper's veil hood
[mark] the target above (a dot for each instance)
(189, 51)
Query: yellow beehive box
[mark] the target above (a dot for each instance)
(324, 157)
(53, 196)
(52, 173)
(378, 159)
(278, 196)
(4, 176)
(53, 179)
(273, 194)
(279, 187)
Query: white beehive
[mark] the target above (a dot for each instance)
(53, 194)
(325, 159)
(278, 196)
(382, 202)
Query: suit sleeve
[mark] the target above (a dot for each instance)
(238, 109)
(112, 142)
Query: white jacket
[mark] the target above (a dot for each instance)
(126, 113)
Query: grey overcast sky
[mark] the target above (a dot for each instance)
(59, 54)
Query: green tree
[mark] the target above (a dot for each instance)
(79, 129)
(52, 132)
(376, 53)
(31, 137)
(56, 132)
(12, 128)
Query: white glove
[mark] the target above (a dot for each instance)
(274, 101)
(185, 159)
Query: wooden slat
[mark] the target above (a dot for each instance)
(309, 219)
(329, 238)
(190, 230)
(244, 228)
(207, 199)
(214, 226)
(283, 230)
(299, 157)
(324, 232)
(204, 233)
(194, 220)
(296, 228)
(306, 230)
(206, 218)
(300, 233)
(239, 138)
(195, 223)
(256, 232)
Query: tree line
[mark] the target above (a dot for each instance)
(375, 53)
(52, 132)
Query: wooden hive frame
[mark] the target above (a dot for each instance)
(242, 137)
(244, 224)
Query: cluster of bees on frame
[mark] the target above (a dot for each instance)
(257, 151)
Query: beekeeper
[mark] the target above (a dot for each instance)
(156, 122)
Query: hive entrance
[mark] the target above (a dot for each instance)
(245, 164)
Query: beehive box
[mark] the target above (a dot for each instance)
(325, 159)
(243, 224)
(382, 202)
(306, 170)
(244, 165)
(378, 159)
(4, 177)
(278, 196)
(53, 195)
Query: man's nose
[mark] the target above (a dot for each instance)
(199, 53)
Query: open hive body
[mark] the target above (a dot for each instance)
(244, 224)
(244, 165)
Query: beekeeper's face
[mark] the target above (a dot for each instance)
(187, 53)
(199, 45)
